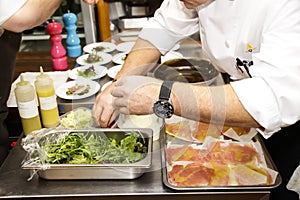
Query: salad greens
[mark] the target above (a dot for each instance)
(77, 118)
(87, 73)
(75, 148)
(93, 57)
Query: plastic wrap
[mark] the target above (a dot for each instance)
(194, 131)
(294, 183)
(88, 153)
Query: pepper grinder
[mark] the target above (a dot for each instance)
(73, 42)
(58, 52)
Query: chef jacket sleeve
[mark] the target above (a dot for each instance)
(8, 8)
(171, 23)
(272, 95)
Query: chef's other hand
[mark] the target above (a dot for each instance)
(136, 94)
(90, 1)
(103, 110)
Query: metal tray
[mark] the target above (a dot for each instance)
(99, 171)
(192, 70)
(166, 137)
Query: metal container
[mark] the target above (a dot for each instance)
(190, 70)
(98, 171)
(167, 139)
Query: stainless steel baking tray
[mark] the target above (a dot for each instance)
(166, 138)
(98, 171)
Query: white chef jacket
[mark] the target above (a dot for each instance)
(8, 8)
(266, 32)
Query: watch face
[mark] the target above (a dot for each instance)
(163, 109)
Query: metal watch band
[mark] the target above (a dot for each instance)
(165, 90)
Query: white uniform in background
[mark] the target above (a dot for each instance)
(8, 8)
(263, 33)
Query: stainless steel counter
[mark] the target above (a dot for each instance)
(14, 185)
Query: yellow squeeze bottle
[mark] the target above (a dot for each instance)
(47, 100)
(27, 106)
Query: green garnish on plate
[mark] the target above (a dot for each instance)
(87, 73)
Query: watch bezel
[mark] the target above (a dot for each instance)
(163, 109)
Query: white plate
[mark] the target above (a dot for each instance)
(170, 55)
(105, 85)
(125, 46)
(119, 58)
(128, 38)
(106, 47)
(106, 58)
(99, 70)
(112, 72)
(61, 91)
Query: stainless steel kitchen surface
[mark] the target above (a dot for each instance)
(14, 185)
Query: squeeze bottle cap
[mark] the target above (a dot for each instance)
(22, 82)
(42, 75)
(43, 79)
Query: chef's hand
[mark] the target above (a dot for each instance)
(136, 94)
(103, 110)
(90, 1)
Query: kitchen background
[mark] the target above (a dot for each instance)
(37, 39)
(120, 11)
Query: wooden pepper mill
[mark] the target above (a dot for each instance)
(58, 52)
(73, 41)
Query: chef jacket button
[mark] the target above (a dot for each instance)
(227, 44)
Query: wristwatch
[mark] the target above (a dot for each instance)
(163, 107)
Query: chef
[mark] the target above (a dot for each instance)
(255, 42)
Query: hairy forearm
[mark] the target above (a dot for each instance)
(140, 60)
(217, 104)
(33, 13)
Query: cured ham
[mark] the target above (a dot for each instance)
(78, 89)
(190, 175)
(231, 152)
(182, 153)
(216, 163)
(203, 130)
(214, 174)
(238, 130)
(192, 131)
(180, 130)
(219, 152)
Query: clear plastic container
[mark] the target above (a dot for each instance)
(27, 106)
(47, 100)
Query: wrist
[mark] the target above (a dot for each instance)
(163, 107)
